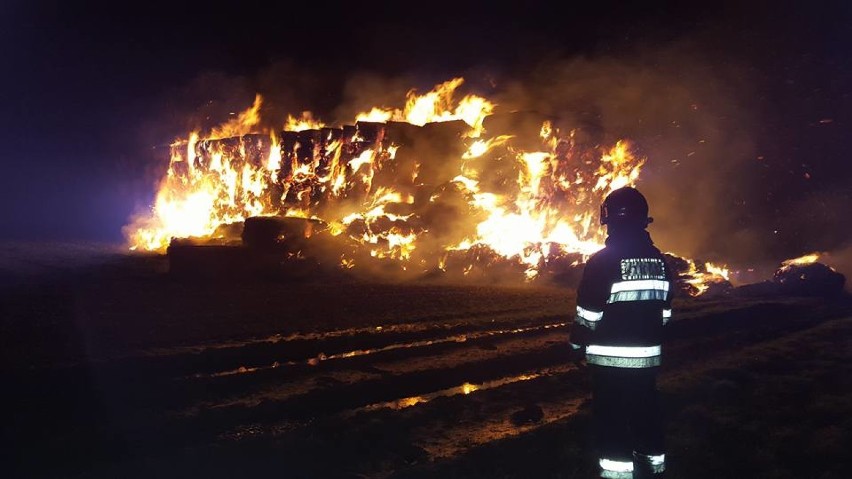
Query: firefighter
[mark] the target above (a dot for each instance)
(623, 302)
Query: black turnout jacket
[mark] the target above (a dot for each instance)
(623, 302)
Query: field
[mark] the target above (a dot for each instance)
(112, 368)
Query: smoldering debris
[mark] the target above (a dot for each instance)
(811, 279)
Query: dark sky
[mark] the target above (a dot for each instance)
(91, 91)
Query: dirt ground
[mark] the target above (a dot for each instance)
(112, 368)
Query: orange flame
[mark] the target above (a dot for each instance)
(701, 280)
(545, 206)
(305, 122)
(435, 106)
(801, 260)
(243, 124)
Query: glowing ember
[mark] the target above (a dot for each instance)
(468, 388)
(802, 260)
(421, 207)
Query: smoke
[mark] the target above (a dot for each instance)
(365, 90)
(821, 219)
(841, 260)
(691, 115)
(687, 115)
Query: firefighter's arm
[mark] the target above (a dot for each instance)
(576, 354)
(590, 301)
(667, 307)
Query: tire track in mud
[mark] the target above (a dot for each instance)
(481, 413)
(768, 363)
(396, 364)
(712, 337)
(490, 411)
(388, 373)
(219, 357)
(435, 349)
(198, 410)
(482, 366)
(437, 401)
(445, 322)
(384, 362)
(471, 336)
(333, 392)
(437, 425)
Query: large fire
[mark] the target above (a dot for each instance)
(394, 185)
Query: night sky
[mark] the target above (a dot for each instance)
(92, 93)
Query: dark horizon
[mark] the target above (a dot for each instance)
(96, 91)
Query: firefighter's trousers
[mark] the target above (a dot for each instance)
(628, 424)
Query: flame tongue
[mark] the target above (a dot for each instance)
(455, 190)
(801, 260)
(702, 278)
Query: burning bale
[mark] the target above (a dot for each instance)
(699, 278)
(442, 185)
(270, 246)
(480, 263)
(562, 268)
(804, 276)
(289, 235)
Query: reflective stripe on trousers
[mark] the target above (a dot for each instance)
(613, 469)
(623, 356)
(617, 469)
(654, 463)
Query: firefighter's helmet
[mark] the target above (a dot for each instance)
(625, 206)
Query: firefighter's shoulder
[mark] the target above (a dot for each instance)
(602, 258)
(598, 256)
(603, 263)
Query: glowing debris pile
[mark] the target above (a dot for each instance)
(806, 276)
(698, 278)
